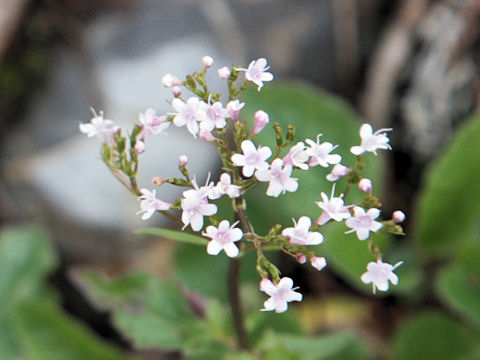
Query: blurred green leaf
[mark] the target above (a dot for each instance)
(313, 112)
(449, 209)
(434, 336)
(458, 285)
(46, 333)
(179, 236)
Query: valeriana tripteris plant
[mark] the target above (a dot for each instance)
(246, 164)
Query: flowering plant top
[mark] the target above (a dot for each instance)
(246, 164)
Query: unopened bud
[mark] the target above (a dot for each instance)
(366, 186)
(233, 108)
(207, 62)
(302, 259)
(206, 135)
(318, 262)
(157, 181)
(183, 160)
(224, 72)
(338, 171)
(176, 91)
(139, 147)
(261, 120)
(169, 80)
(398, 217)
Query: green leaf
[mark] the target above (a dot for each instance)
(449, 209)
(46, 333)
(179, 236)
(458, 285)
(434, 336)
(313, 112)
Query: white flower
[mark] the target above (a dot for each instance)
(207, 62)
(224, 187)
(149, 204)
(371, 141)
(168, 80)
(379, 273)
(252, 158)
(233, 108)
(297, 156)
(362, 223)
(333, 208)
(103, 129)
(257, 72)
(279, 178)
(301, 235)
(189, 113)
(215, 117)
(280, 294)
(223, 238)
(195, 206)
(152, 124)
(320, 153)
(318, 263)
(338, 171)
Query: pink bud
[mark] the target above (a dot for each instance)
(207, 62)
(233, 108)
(365, 185)
(398, 217)
(169, 80)
(302, 259)
(261, 120)
(139, 147)
(224, 72)
(338, 171)
(318, 262)
(183, 160)
(206, 135)
(176, 91)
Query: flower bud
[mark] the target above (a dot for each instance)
(157, 181)
(169, 80)
(302, 259)
(183, 160)
(338, 171)
(365, 185)
(233, 108)
(318, 262)
(207, 62)
(206, 135)
(176, 91)
(261, 120)
(224, 72)
(139, 147)
(398, 217)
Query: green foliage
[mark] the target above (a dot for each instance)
(449, 209)
(434, 336)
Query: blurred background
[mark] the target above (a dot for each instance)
(411, 65)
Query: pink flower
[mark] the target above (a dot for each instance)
(261, 120)
(252, 158)
(152, 124)
(183, 160)
(365, 185)
(207, 62)
(189, 113)
(169, 80)
(195, 206)
(233, 108)
(257, 72)
(215, 117)
(379, 273)
(362, 223)
(338, 171)
(301, 235)
(371, 141)
(224, 187)
(103, 129)
(302, 259)
(320, 153)
(318, 263)
(149, 204)
(297, 156)
(139, 147)
(398, 217)
(333, 208)
(279, 178)
(176, 91)
(280, 294)
(223, 238)
(224, 72)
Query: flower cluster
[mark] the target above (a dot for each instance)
(246, 165)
